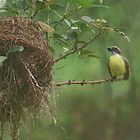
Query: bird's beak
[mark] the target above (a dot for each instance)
(109, 49)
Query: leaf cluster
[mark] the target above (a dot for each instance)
(61, 24)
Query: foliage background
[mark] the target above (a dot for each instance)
(108, 111)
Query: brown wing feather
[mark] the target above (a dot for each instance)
(126, 75)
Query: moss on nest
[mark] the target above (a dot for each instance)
(25, 77)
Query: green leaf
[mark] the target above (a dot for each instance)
(81, 26)
(101, 1)
(16, 49)
(88, 53)
(75, 24)
(21, 5)
(85, 28)
(2, 3)
(93, 55)
(68, 23)
(74, 21)
(87, 19)
(2, 59)
(11, 8)
(85, 3)
(2, 11)
(56, 6)
(72, 35)
(61, 38)
(85, 52)
(40, 5)
(64, 37)
(99, 6)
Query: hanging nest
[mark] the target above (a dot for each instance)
(25, 77)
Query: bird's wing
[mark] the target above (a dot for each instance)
(126, 75)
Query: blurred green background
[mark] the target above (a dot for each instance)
(108, 111)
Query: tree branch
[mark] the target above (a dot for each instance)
(87, 82)
(76, 49)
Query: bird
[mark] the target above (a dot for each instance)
(118, 65)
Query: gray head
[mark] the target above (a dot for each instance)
(114, 50)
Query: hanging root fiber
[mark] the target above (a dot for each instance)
(25, 76)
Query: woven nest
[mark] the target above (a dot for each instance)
(25, 77)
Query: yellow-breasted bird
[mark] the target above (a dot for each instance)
(118, 65)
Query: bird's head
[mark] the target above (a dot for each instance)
(114, 50)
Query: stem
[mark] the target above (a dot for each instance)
(77, 49)
(70, 13)
(86, 82)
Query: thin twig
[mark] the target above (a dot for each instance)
(70, 13)
(67, 7)
(86, 82)
(77, 49)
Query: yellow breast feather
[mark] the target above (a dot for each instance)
(117, 66)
